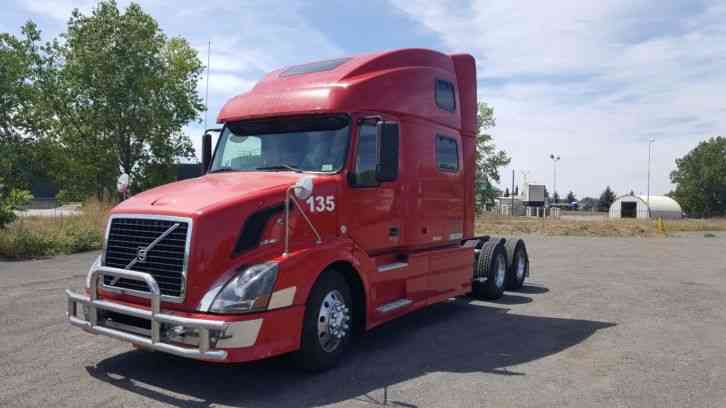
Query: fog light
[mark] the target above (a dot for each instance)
(181, 334)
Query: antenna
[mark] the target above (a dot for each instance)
(206, 96)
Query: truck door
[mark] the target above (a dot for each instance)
(374, 202)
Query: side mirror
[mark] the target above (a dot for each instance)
(387, 168)
(303, 188)
(206, 152)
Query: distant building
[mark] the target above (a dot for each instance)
(632, 206)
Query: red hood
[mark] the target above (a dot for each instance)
(194, 196)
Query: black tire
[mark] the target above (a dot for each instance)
(312, 355)
(492, 257)
(517, 263)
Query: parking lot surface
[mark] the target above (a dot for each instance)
(603, 322)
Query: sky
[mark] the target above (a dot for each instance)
(589, 81)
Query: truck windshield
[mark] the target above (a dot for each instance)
(311, 143)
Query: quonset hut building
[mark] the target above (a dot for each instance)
(632, 206)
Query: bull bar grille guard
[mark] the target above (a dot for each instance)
(92, 304)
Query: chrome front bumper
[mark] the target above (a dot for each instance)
(87, 318)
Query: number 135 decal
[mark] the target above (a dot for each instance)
(321, 204)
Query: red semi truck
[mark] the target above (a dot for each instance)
(340, 195)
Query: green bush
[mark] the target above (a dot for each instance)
(22, 243)
(9, 202)
(34, 237)
(78, 237)
(66, 196)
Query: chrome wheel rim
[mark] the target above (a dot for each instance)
(501, 271)
(333, 321)
(520, 267)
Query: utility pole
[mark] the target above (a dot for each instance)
(555, 159)
(206, 95)
(650, 144)
(512, 193)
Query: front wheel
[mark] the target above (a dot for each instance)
(327, 325)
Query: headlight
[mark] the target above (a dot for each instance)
(247, 292)
(96, 265)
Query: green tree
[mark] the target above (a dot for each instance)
(571, 197)
(11, 200)
(487, 158)
(120, 91)
(21, 123)
(556, 198)
(700, 179)
(588, 204)
(606, 200)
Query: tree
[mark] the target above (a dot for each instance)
(606, 200)
(487, 158)
(516, 190)
(556, 198)
(20, 123)
(571, 197)
(120, 91)
(506, 192)
(588, 204)
(11, 200)
(700, 179)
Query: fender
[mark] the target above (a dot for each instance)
(301, 268)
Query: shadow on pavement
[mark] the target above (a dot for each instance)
(532, 289)
(458, 336)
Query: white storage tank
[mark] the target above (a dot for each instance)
(631, 206)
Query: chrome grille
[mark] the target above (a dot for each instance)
(166, 261)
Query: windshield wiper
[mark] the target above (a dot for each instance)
(280, 167)
(222, 170)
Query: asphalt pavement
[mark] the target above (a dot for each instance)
(603, 322)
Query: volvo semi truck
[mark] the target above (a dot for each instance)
(339, 196)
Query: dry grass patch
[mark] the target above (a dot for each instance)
(34, 237)
(591, 226)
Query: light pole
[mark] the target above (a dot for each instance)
(555, 159)
(650, 144)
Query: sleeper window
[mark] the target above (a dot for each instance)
(445, 95)
(447, 153)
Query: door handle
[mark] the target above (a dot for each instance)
(393, 232)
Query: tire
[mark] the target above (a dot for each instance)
(491, 270)
(517, 263)
(328, 314)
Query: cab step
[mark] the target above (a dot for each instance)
(395, 305)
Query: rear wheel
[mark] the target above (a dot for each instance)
(491, 270)
(327, 325)
(517, 263)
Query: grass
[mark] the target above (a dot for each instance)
(37, 237)
(595, 226)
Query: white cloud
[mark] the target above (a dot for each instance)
(223, 84)
(57, 9)
(248, 39)
(592, 81)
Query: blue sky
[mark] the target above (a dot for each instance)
(591, 81)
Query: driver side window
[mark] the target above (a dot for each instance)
(366, 159)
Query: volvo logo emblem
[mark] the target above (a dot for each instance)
(141, 254)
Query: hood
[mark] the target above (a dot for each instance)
(194, 196)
